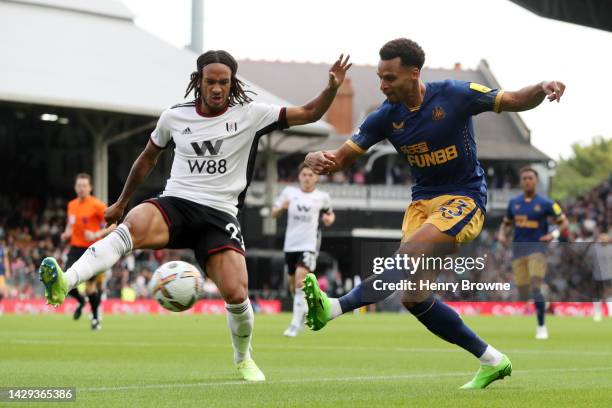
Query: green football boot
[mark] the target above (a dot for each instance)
(249, 370)
(318, 304)
(487, 374)
(56, 284)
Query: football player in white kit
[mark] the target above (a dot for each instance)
(215, 138)
(305, 205)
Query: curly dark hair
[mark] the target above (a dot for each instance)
(237, 92)
(410, 53)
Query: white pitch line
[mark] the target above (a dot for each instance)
(302, 347)
(331, 379)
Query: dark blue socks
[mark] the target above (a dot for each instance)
(445, 323)
(540, 305)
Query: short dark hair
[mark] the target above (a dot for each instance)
(83, 176)
(526, 169)
(303, 166)
(238, 95)
(410, 53)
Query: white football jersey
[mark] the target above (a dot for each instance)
(303, 218)
(214, 156)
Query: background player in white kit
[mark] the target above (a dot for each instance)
(304, 205)
(215, 139)
(599, 255)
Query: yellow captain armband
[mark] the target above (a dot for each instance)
(479, 87)
(557, 209)
(355, 146)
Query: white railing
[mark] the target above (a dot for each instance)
(374, 197)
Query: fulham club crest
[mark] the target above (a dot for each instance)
(231, 126)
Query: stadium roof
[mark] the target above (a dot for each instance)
(591, 13)
(499, 137)
(90, 55)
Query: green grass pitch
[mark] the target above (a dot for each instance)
(385, 360)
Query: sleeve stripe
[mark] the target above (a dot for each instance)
(355, 147)
(497, 104)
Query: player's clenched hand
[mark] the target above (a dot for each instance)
(553, 89)
(338, 71)
(114, 213)
(320, 162)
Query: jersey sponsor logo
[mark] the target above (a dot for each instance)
(231, 126)
(420, 156)
(304, 208)
(207, 146)
(438, 113)
(186, 131)
(479, 88)
(208, 166)
(415, 148)
(522, 221)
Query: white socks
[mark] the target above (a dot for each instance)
(609, 304)
(299, 308)
(335, 310)
(100, 256)
(597, 310)
(491, 356)
(241, 320)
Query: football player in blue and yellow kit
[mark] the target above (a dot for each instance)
(529, 213)
(430, 125)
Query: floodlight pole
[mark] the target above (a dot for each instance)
(197, 26)
(269, 223)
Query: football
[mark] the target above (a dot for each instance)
(176, 285)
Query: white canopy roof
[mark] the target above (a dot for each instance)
(90, 55)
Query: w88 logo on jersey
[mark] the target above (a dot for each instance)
(210, 166)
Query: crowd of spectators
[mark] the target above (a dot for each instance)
(569, 276)
(30, 229)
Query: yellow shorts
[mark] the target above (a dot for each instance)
(457, 216)
(99, 279)
(527, 267)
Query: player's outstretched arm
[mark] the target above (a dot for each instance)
(325, 162)
(531, 96)
(141, 168)
(314, 110)
(504, 231)
(277, 211)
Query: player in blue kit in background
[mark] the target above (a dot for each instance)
(529, 213)
(430, 125)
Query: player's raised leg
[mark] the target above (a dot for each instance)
(144, 227)
(439, 318)
(228, 270)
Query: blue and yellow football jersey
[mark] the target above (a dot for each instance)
(530, 220)
(436, 138)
